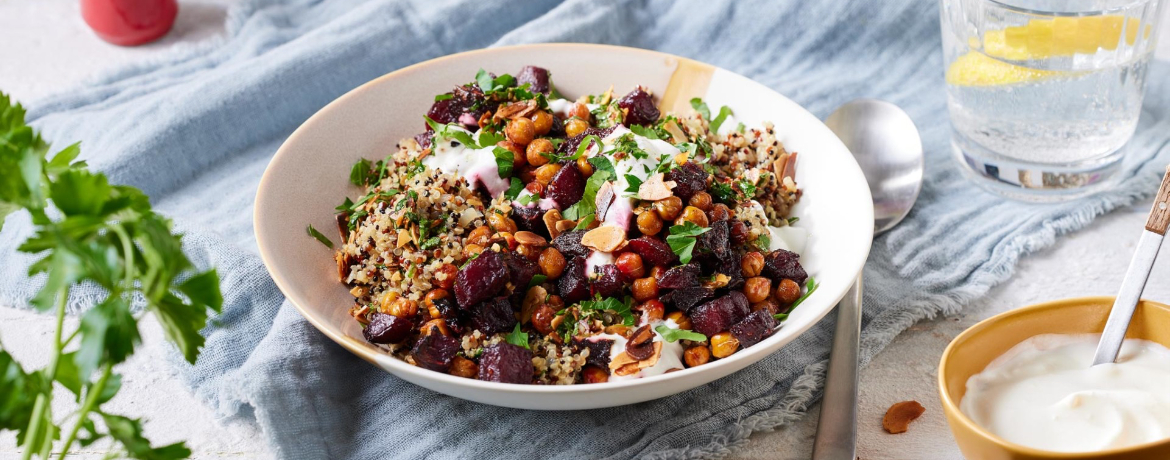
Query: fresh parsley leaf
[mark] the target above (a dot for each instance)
(359, 175)
(345, 205)
(451, 131)
(612, 305)
(723, 191)
(780, 316)
(504, 161)
(635, 184)
(719, 119)
(602, 172)
(793, 220)
(672, 335)
(701, 107)
(430, 243)
(537, 280)
(585, 221)
(319, 236)
(810, 287)
(740, 128)
(443, 97)
(514, 189)
(516, 337)
(414, 167)
(682, 239)
(528, 199)
(644, 131)
(487, 138)
(764, 241)
(747, 186)
(484, 80)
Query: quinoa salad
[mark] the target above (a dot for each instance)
(529, 238)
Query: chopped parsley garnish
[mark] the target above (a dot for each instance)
(414, 167)
(740, 128)
(723, 191)
(516, 337)
(626, 143)
(748, 187)
(320, 237)
(514, 189)
(537, 280)
(443, 97)
(451, 131)
(489, 84)
(602, 172)
(649, 133)
(586, 142)
(682, 239)
(504, 161)
(793, 220)
(672, 335)
(705, 112)
(528, 199)
(430, 243)
(635, 184)
(611, 305)
(701, 107)
(719, 119)
(764, 242)
(487, 137)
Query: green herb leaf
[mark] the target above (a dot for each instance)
(359, 175)
(672, 335)
(517, 338)
(701, 107)
(451, 131)
(764, 241)
(487, 138)
(793, 220)
(780, 316)
(719, 119)
(514, 189)
(682, 239)
(443, 97)
(644, 131)
(504, 161)
(430, 243)
(740, 128)
(602, 172)
(635, 184)
(585, 221)
(319, 236)
(128, 432)
(613, 306)
(537, 280)
(484, 80)
(810, 287)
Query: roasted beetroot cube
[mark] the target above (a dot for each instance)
(464, 106)
(680, 277)
(609, 281)
(424, 139)
(653, 251)
(717, 315)
(492, 316)
(530, 219)
(687, 297)
(598, 350)
(481, 279)
(573, 284)
(506, 363)
(756, 327)
(639, 106)
(715, 239)
(435, 351)
(536, 77)
(781, 264)
(522, 270)
(571, 144)
(689, 179)
(567, 186)
(569, 244)
(385, 328)
(445, 111)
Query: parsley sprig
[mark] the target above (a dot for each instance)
(672, 335)
(102, 235)
(611, 305)
(682, 239)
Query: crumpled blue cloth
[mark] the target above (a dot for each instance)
(195, 132)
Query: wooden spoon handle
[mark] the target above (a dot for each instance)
(1160, 214)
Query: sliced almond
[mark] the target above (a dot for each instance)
(510, 111)
(565, 225)
(620, 360)
(404, 237)
(653, 359)
(605, 197)
(550, 221)
(529, 238)
(790, 168)
(532, 300)
(605, 238)
(780, 164)
(676, 133)
(655, 188)
(628, 369)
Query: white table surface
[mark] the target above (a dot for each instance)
(46, 48)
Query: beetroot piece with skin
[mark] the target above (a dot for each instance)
(686, 298)
(573, 284)
(481, 279)
(653, 251)
(530, 219)
(435, 351)
(598, 350)
(609, 281)
(689, 178)
(567, 186)
(569, 244)
(756, 327)
(639, 106)
(536, 77)
(569, 147)
(522, 270)
(679, 277)
(506, 363)
(385, 328)
(492, 316)
(781, 264)
(718, 315)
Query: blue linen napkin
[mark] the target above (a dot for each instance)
(195, 132)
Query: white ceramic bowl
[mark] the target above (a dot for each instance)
(309, 176)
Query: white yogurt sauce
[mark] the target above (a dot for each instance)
(474, 165)
(788, 238)
(562, 106)
(621, 212)
(597, 259)
(1044, 394)
(670, 358)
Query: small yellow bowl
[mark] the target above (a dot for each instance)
(976, 347)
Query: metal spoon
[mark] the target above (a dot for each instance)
(1135, 277)
(885, 142)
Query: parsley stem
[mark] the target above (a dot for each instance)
(91, 398)
(128, 250)
(42, 411)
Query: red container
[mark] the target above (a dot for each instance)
(129, 22)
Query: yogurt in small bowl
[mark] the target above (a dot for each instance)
(1020, 386)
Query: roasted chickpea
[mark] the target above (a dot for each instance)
(657, 271)
(542, 122)
(645, 289)
(584, 166)
(681, 319)
(445, 277)
(552, 263)
(630, 264)
(668, 208)
(435, 325)
(555, 302)
(463, 367)
(501, 223)
(593, 374)
(544, 174)
(723, 344)
(701, 200)
(518, 154)
(718, 212)
(697, 355)
(693, 215)
(769, 304)
(787, 291)
(537, 149)
(542, 319)
(529, 251)
(403, 308)
(480, 235)
(388, 299)
(653, 309)
(432, 296)
(520, 130)
(580, 110)
(757, 288)
(470, 250)
(535, 188)
(649, 223)
(575, 126)
(751, 264)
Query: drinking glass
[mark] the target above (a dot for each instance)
(1044, 94)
